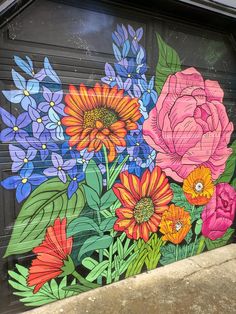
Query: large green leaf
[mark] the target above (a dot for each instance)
(93, 177)
(168, 63)
(221, 241)
(95, 243)
(43, 206)
(81, 224)
(107, 224)
(97, 271)
(227, 175)
(92, 197)
(108, 199)
(179, 198)
(50, 292)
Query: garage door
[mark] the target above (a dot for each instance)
(117, 146)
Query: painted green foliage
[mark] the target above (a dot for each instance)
(110, 187)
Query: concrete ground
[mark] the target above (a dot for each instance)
(202, 284)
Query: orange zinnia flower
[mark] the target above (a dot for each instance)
(51, 255)
(175, 224)
(198, 186)
(144, 201)
(99, 115)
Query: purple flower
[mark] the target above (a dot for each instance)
(15, 127)
(52, 101)
(123, 85)
(110, 77)
(23, 182)
(76, 175)
(20, 157)
(27, 67)
(66, 148)
(130, 70)
(136, 35)
(84, 158)
(43, 144)
(23, 93)
(38, 124)
(59, 167)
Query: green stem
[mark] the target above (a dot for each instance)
(194, 244)
(100, 252)
(83, 281)
(176, 252)
(107, 167)
(201, 245)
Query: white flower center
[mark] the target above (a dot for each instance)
(178, 225)
(199, 187)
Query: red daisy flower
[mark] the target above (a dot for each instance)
(143, 202)
(51, 255)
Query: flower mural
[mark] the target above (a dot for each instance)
(115, 179)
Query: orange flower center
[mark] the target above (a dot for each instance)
(104, 115)
(143, 210)
(198, 186)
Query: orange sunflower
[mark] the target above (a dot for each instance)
(99, 115)
(143, 202)
(198, 186)
(175, 224)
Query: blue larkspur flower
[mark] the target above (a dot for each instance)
(76, 175)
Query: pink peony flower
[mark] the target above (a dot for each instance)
(189, 126)
(218, 214)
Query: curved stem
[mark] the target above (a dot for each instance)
(84, 281)
(107, 167)
(201, 245)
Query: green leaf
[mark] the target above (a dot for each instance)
(168, 252)
(233, 183)
(227, 175)
(179, 198)
(221, 241)
(108, 199)
(95, 243)
(189, 236)
(97, 271)
(89, 263)
(93, 177)
(107, 224)
(198, 227)
(120, 249)
(117, 171)
(168, 63)
(81, 224)
(77, 288)
(44, 205)
(92, 197)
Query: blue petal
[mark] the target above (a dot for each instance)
(50, 72)
(32, 86)
(27, 68)
(146, 98)
(28, 101)
(126, 48)
(22, 191)
(7, 135)
(27, 170)
(37, 179)
(117, 53)
(11, 182)
(14, 96)
(154, 96)
(53, 116)
(7, 118)
(73, 186)
(122, 71)
(151, 83)
(18, 80)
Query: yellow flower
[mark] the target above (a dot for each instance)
(175, 224)
(198, 186)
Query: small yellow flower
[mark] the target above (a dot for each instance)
(198, 186)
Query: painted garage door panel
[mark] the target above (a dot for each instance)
(117, 147)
